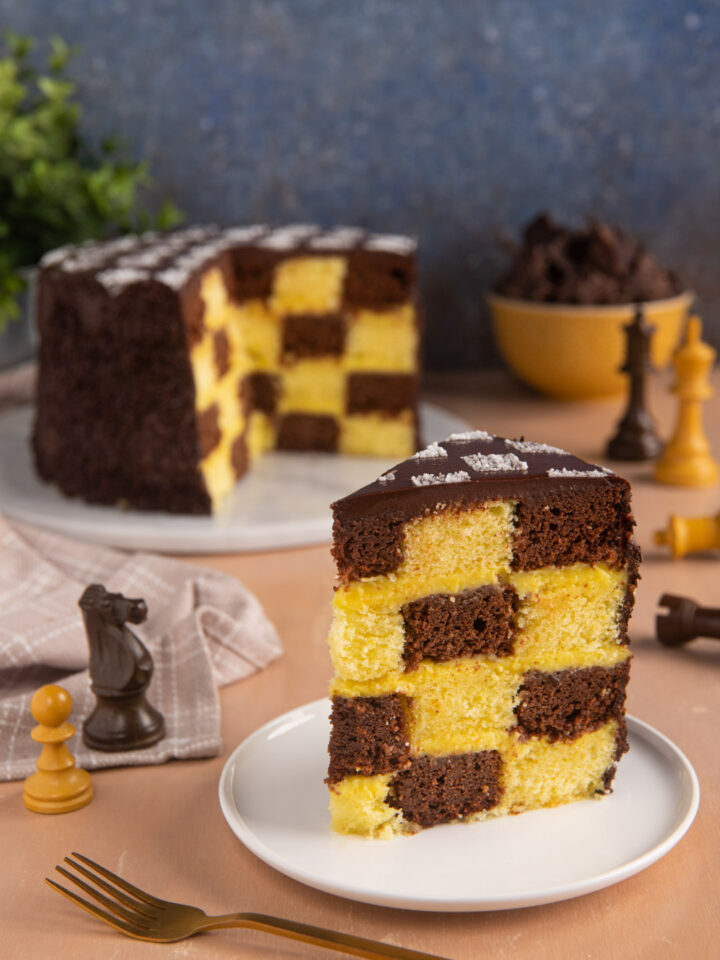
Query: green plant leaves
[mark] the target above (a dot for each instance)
(55, 189)
(60, 55)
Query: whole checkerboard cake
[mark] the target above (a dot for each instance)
(169, 362)
(479, 637)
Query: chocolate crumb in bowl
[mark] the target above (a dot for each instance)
(597, 264)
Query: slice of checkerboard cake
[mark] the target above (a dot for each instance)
(479, 637)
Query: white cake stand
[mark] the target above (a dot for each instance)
(283, 501)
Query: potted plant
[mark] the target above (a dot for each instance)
(54, 188)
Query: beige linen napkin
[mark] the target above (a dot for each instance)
(204, 629)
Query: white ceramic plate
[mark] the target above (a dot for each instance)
(273, 798)
(282, 502)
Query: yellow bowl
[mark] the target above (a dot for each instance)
(575, 352)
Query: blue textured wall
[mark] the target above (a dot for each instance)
(452, 119)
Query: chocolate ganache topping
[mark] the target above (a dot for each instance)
(479, 467)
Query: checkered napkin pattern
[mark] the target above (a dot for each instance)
(204, 630)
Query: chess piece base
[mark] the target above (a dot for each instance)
(57, 792)
(688, 471)
(123, 723)
(643, 446)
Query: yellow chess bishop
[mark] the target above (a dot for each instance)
(686, 460)
(690, 534)
(58, 786)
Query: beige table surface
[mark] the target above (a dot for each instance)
(162, 826)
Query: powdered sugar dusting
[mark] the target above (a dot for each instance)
(118, 279)
(53, 257)
(470, 435)
(432, 479)
(387, 477)
(433, 450)
(195, 234)
(285, 238)
(196, 257)
(390, 243)
(173, 277)
(495, 463)
(340, 238)
(93, 254)
(529, 446)
(565, 472)
(245, 234)
(149, 257)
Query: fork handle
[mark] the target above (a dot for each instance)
(319, 936)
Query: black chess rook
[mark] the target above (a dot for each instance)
(685, 621)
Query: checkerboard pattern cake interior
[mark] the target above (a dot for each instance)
(479, 636)
(169, 362)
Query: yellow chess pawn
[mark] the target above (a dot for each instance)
(686, 460)
(58, 786)
(690, 534)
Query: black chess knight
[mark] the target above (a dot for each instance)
(120, 673)
(636, 438)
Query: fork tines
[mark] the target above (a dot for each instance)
(129, 908)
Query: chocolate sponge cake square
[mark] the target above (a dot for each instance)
(479, 636)
(169, 363)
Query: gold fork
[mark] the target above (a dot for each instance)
(140, 915)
